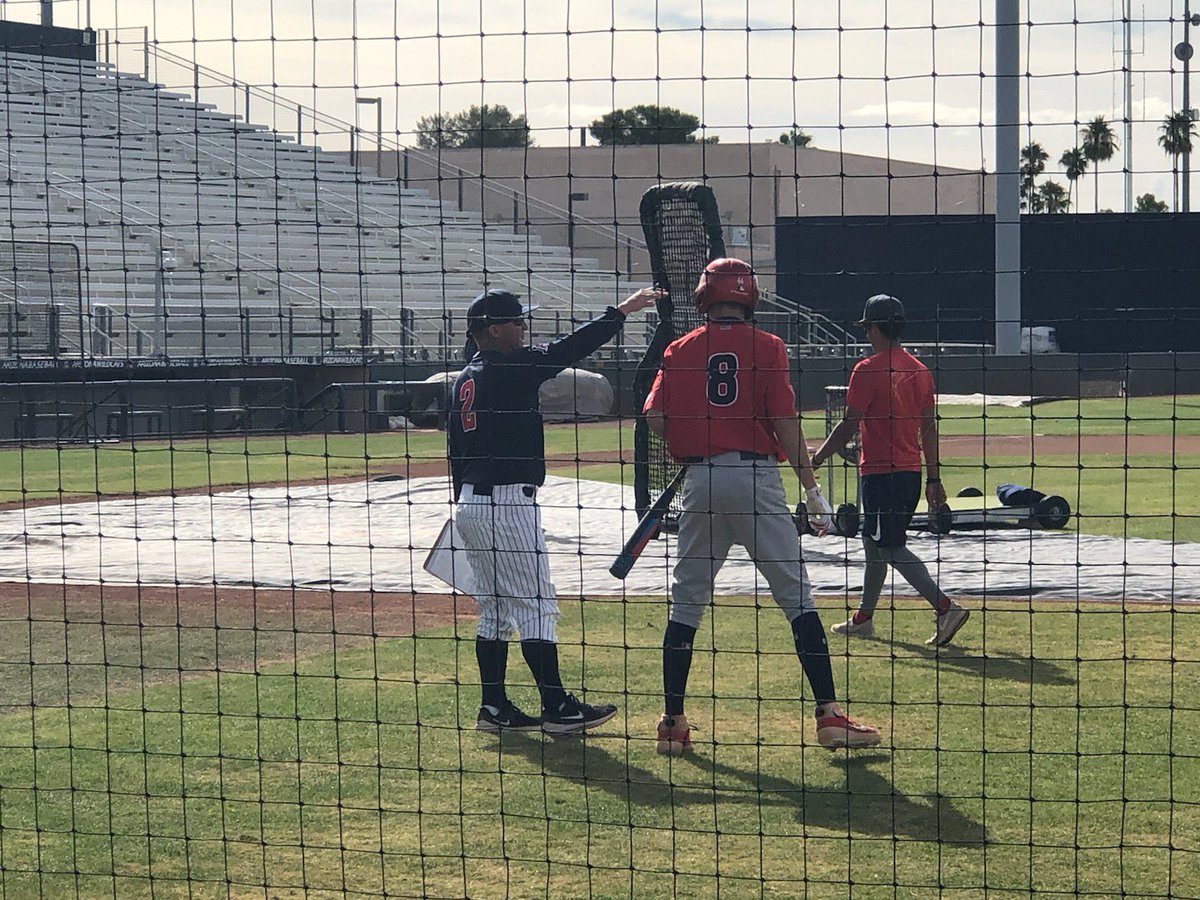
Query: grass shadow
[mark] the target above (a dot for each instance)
(866, 803)
(992, 664)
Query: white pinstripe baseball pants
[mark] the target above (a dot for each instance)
(506, 549)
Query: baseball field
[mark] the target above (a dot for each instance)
(220, 741)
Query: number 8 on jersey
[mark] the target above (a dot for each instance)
(722, 379)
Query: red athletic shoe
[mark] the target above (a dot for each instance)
(835, 730)
(674, 736)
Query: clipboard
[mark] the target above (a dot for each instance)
(447, 560)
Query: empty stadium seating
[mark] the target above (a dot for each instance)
(203, 235)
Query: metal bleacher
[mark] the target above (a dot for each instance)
(202, 235)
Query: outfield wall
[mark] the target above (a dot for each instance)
(1052, 374)
(152, 399)
(1108, 282)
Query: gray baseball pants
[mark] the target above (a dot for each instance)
(730, 500)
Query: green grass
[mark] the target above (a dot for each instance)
(1140, 496)
(152, 467)
(1059, 753)
(1114, 493)
(1136, 415)
(1178, 415)
(159, 466)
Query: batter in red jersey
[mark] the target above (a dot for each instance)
(890, 401)
(723, 401)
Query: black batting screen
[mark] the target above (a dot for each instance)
(683, 234)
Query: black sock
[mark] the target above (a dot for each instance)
(542, 657)
(493, 662)
(813, 650)
(677, 663)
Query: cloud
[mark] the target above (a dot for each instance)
(909, 112)
(822, 65)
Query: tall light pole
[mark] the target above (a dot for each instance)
(1183, 53)
(1128, 72)
(378, 101)
(1008, 189)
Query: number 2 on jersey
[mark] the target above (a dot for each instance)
(722, 379)
(466, 396)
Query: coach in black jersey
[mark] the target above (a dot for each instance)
(498, 461)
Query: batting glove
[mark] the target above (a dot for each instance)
(820, 513)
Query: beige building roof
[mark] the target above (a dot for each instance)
(599, 188)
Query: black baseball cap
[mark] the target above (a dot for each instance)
(882, 308)
(493, 308)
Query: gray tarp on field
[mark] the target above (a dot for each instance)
(375, 535)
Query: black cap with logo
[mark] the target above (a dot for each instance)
(495, 307)
(882, 308)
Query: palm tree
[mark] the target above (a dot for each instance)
(1074, 164)
(1055, 198)
(1176, 139)
(1033, 164)
(1099, 145)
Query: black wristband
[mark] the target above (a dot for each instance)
(933, 481)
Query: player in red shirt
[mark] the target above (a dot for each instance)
(891, 402)
(723, 402)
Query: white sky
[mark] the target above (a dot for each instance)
(857, 74)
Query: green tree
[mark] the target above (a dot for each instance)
(797, 137)
(645, 124)
(1148, 203)
(1033, 164)
(476, 126)
(1177, 129)
(1074, 165)
(1099, 144)
(1054, 197)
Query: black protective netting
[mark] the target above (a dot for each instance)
(297, 601)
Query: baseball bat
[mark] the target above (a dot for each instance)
(646, 529)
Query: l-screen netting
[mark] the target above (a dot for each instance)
(683, 234)
(243, 238)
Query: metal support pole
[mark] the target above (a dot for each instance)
(572, 199)
(571, 223)
(160, 312)
(1008, 190)
(378, 137)
(47, 12)
(247, 90)
(378, 102)
(299, 125)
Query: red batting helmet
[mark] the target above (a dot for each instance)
(726, 281)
